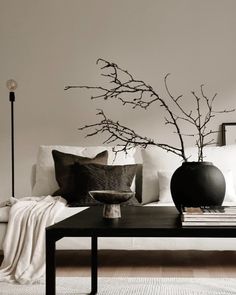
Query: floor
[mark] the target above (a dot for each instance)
(150, 263)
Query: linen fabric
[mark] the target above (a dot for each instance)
(24, 242)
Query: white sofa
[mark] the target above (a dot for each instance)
(152, 189)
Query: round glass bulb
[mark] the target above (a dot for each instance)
(11, 85)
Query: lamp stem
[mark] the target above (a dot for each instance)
(12, 99)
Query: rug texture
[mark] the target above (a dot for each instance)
(129, 286)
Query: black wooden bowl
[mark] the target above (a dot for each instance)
(111, 196)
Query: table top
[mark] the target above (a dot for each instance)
(134, 222)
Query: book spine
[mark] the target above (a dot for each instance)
(221, 215)
(210, 219)
(230, 210)
(216, 223)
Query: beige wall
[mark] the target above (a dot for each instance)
(48, 44)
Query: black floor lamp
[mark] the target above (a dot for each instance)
(12, 85)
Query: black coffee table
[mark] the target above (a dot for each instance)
(135, 222)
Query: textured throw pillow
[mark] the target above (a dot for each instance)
(65, 169)
(102, 177)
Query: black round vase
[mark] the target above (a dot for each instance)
(197, 184)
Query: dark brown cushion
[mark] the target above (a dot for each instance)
(102, 177)
(65, 170)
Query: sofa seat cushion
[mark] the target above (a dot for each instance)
(134, 243)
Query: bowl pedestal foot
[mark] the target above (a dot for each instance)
(111, 211)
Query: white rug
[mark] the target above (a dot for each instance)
(130, 286)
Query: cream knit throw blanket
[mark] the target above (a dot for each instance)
(24, 243)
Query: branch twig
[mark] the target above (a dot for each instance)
(136, 93)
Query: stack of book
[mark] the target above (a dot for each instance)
(209, 216)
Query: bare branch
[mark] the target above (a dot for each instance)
(128, 137)
(125, 88)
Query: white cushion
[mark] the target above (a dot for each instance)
(45, 180)
(156, 159)
(230, 195)
(164, 178)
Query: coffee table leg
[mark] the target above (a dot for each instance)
(94, 265)
(50, 266)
